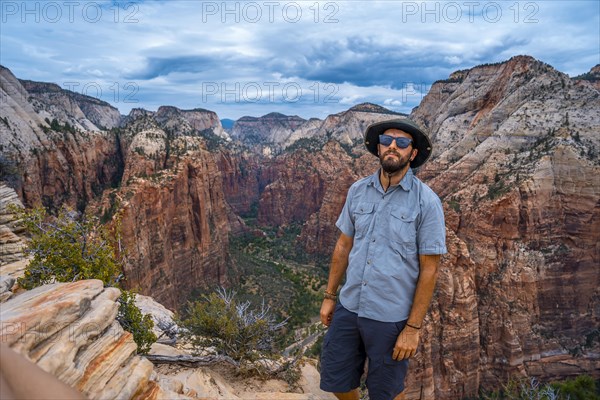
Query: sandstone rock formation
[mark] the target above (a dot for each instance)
(11, 243)
(70, 165)
(270, 134)
(82, 112)
(69, 330)
(591, 78)
(516, 163)
(273, 128)
(81, 166)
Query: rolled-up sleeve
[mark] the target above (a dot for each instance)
(345, 221)
(431, 232)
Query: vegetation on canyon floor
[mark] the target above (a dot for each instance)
(272, 267)
(583, 387)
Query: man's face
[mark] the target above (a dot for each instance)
(392, 157)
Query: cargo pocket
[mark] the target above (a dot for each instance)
(363, 216)
(403, 229)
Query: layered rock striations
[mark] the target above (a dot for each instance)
(517, 164)
(59, 155)
(175, 231)
(170, 206)
(70, 331)
(273, 133)
(154, 173)
(80, 111)
(12, 245)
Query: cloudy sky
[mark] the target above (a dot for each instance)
(307, 58)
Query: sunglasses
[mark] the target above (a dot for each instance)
(401, 142)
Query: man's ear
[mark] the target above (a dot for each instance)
(414, 154)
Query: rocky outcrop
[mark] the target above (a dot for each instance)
(272, 133)
(591, 78)
(273, 128)
(175, 231)
(80, 111)
(68, 162)
(517, 165)
(11, 243)
(184, 241)
(348, 127)
(70, 331)
(189, 122)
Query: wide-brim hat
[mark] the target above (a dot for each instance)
(420, 140)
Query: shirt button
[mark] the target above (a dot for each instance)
(372, 240)
(369, 262)
(364, 283)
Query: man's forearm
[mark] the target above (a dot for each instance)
(428, 265)
(339, 262)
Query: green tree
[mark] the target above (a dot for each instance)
(132, 320)
(581, 388)
(68, 248)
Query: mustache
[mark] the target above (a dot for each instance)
(391, 152)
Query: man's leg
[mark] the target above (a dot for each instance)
(352, 395)
(385, 377)
(342, 356)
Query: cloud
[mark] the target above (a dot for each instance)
(337, 53)
(156, 67)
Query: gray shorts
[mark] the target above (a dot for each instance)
(346, 346)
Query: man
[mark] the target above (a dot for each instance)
(392, 237)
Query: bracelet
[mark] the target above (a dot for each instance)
(329, 296)
(412, 326)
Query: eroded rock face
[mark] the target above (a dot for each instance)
(70, 331)
(176, 232)
(184, 241)
(516, 164)
(11, 243)
(70, 165)
(517, 167)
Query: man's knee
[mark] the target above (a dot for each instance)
(351, 395)
(400, 396)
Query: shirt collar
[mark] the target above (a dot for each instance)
(405, 183)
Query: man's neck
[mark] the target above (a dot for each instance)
(389, 180)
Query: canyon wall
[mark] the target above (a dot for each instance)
(516, 163)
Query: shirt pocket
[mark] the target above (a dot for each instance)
(363, 215)
(403, 228)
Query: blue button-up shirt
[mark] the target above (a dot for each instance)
(390, 230)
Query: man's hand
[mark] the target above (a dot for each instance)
(406, 344)
(327, 309)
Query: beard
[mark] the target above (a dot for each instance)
(393, 165)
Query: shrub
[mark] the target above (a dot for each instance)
(232, 328)
(132, 320)
(523, 389)
(581, 388)
(66, 249)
